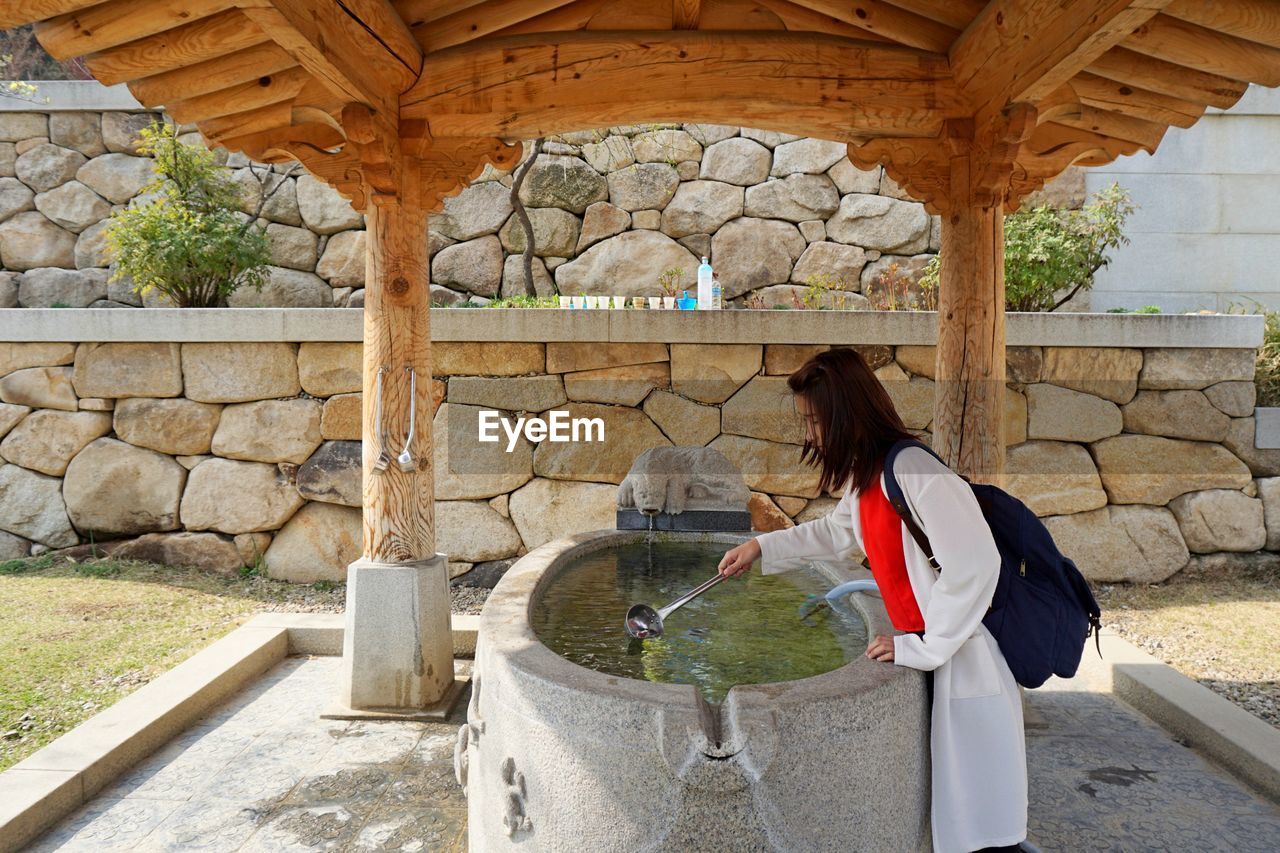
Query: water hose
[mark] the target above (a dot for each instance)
(834, 596)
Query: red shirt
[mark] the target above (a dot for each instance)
(882, 540)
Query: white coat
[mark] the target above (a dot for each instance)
(978, 748)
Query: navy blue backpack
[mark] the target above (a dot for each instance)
(1043, 610)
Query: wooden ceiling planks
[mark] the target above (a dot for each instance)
(1118, 70)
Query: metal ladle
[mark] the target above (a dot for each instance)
(644, 622)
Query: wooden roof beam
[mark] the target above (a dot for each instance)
(241, 66)
(118, 22)
(360, 49)
(435, 31)
(888, 20)
(261, 92)
(1021, 50)
(1255, 20)
(17, 13)
(1207, 50)
(1176, 81)
(1134, 101)
(525, 86)
(956, 14)
(685, 14)
(191, 44)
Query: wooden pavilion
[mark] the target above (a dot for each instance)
(968, 104)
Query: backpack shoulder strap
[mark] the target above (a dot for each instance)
(898, 500)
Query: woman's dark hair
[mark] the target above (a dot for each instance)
(855, 418)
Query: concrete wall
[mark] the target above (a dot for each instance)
(215, 437)
(1207, 235)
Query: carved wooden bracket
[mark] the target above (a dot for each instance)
(445, 165)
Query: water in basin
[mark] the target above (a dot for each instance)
(743, 631)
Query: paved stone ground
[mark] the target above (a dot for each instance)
(264, 773)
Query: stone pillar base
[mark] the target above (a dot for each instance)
(397, 646)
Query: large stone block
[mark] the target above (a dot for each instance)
(295, 248)
(544, 510)
(53, 287)
(332, 474)
(269, 431)
(736, 161)
(621, 386)
(327, 368)
(768, 466)
(122, 132)
(912, 397)
(1145, 469)
(701, 207)
(796, 198)
(1236, 399)
(754, 253)
(767, 516)
(643, 186)
(46, 166)
(342, 264)
(208, 552)
(285, 288)
(317, 544)
(1220, 520)
(31, 506)
(40, 388)
(472, 532)
(1165, 368)
(487, 358)
(114, 488)
(29, 241)
(850, 179)
(478, 210)
(686, 423)
(19, 355)
(880, 223)
(1015, 417)
(526, 394)
(474, 266)
(11, 416)
(238, 497)
(179, 427)
(15, 127)
(555, 233)
(634, 257)
(785, 359)
(1125, 544)
(119, 370)
(1240, 440)
(1053, 478)
(46, 440)
(466, 468)
(73, 206)
(1107, 372)
(1176, 414)
(601, 221)
(237, 372)
(609, 154)
(1269, 494)
(711, 373)
(807, 156)
(666, 146)
(117, 177)
(841, 265)
(341, 418)
(79, 131)
(763, 408)
(1060, 414)
(323, 210)
(15, 197)
(564, 182)
(626, 434)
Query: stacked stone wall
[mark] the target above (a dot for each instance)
(611, 210)
(220, 453)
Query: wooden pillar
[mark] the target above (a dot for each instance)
(399, 513)
(968, 414)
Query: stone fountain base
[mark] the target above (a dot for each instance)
(727, 520)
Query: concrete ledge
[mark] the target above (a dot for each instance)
(1243, 744)
(54, 96)
(46, 787)
(553, 324)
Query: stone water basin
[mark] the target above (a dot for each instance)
(823, 750)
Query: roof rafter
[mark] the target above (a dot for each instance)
(685, 14)
(527, 86)
(178, 48)
(885, 19)
(1021, 50)
(475, 21)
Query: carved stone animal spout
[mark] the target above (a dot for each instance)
(673, 479)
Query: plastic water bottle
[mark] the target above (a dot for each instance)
(705, 297)
(717, 296)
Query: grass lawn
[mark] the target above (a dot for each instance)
(1221, 629)
(75, 637)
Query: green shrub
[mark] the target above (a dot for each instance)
(1048, 251)
(1266, 375)
(187, 237)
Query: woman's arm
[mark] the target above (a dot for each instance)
(945, 507)
(831, 537)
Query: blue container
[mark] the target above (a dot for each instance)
(686, 302)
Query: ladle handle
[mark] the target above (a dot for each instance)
(690, 595)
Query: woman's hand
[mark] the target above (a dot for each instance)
(738, 561)
(881, 649)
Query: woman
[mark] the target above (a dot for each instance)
(979, 759)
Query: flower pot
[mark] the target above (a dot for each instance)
(655, 302)
(637, 302)
(593, 301)
(619, 302)
(669, 302)
(579, 302)
(566, 301)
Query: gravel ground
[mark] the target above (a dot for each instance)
(1220, 627)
